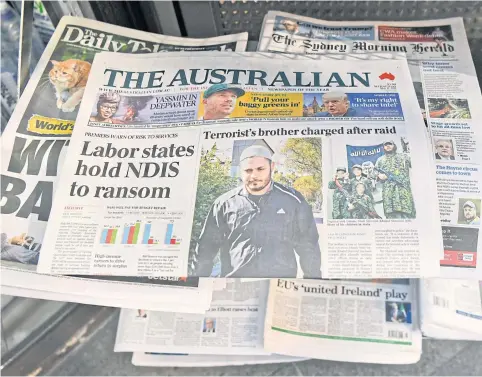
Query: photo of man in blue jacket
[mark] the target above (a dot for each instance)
(259, 227)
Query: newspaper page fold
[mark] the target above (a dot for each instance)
(149, 359)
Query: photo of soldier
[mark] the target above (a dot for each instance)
(360, 205)
(384, 172)
(393, 171)
(357, 171)
(342, 190)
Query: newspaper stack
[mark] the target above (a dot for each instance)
(448, 94)
(215, 189)
(34, 146)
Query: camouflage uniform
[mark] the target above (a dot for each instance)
(363, 204)
(368, 185)
(340, 203)
(397, 199)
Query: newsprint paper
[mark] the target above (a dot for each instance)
(150, 359)
(448, 94)
(35, 143)
(374, 322)
(225, 171)
(451, 308)
(321, 319)
(233, 325)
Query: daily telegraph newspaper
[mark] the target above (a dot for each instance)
(451, 308)
(256, 182)
(233, 325)
(449, 98)
(355, 321)
(149, 359)
(38, 134)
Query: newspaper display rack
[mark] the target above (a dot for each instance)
(233, 204)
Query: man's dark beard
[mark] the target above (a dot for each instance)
(261, 188)
(267, 184)
(393, 151)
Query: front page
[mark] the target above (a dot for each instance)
(150, 196)
(233, 325)
(449, 98)
(377, 322)
(36, 139)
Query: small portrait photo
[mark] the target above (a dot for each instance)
(106, 108)
(468, 211)
(141, 313)
(444, 148)
(209, 325)
(116, 109)
(398, 312)
(219, 101)
(448, 108)
(292, 27)
(331, 104)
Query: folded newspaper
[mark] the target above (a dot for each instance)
(449, 98)
(227, 172)
(376, 321)
(150, 359)
(380, 321)
(34, 145)
(451, 308)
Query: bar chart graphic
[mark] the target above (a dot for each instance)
(108, 235)
(170, 237)
(130, 235)
(139, 232)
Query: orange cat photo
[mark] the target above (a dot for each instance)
(69, 78)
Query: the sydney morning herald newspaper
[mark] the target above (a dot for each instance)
(449, 98)
(251, 179)
(376, 320)
(37, 137)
